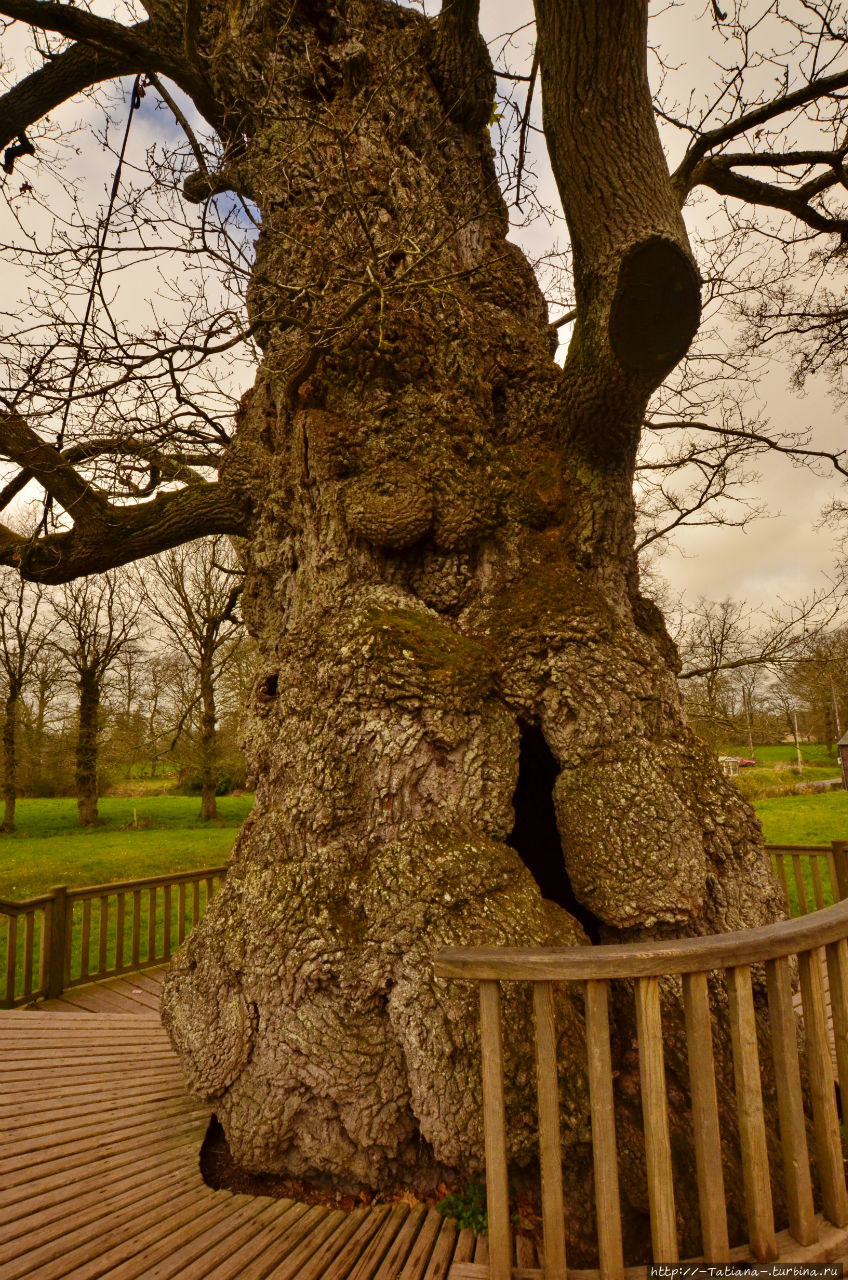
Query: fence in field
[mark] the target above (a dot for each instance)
(715, 974)
(70, 936)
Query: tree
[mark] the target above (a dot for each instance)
(192, 592)
(22, 643)
(96, 624)
(438, 527)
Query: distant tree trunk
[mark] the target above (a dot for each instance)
(86, 761)
(208, 741)
(10, 726)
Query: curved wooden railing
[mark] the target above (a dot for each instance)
(819, 940)
(71, 936)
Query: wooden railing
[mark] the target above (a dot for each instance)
(818, 940)
(826, 878)
(71, 936)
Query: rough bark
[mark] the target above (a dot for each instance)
(440, 553)
(85, 772)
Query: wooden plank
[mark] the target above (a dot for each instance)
(550, 1153)
(648, 958)
(699, 1044)
(345, 1259)
(604, 1151)
(790, 1103)
(195, 903)
(367, 1266)
(151, 1236)
(314, 1261)
(817, 882)
(260, 1244)
(167, 1257)
(296, 1246)
(655, 1118)
(494, 1131)
(820, 1069)
(837, 971)
(440, 1258)
(93, 1242)
(749, 1109)
(220, 1245)
(402, 1244)
(419, 1256)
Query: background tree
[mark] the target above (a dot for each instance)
(97, 622)
(192, 591)
(439, 535)
(23, 639)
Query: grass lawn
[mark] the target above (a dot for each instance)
(48, 848)
(804, 819)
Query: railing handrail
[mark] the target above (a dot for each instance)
(126, 886)
(646, 959)
(18, 906)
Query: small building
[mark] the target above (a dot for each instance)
(842, 748)
(729, 766)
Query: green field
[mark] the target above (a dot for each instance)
(806, 819)
(48, 848)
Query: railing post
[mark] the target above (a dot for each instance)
(494, 1131)
(840, 858)
(57, 941)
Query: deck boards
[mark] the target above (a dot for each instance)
(99, 1169)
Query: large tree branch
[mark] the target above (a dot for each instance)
(76, 69)
(147, 47)
(79, 24)
(126, 534)
(20, 444)
(714, 138)
(716, 173)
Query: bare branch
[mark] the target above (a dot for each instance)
(717, 174)
(783, 103)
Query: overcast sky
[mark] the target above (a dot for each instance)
(782, 556)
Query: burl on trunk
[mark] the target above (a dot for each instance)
(440, 569)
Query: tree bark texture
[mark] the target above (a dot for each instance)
(10, 760)
(440, 569)
(85, 773)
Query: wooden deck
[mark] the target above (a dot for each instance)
(99, 1171)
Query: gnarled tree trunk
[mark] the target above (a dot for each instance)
(463, 694)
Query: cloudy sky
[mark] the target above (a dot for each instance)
(783, 556)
